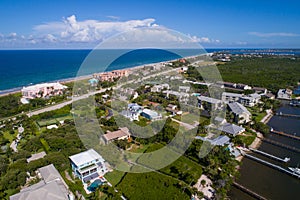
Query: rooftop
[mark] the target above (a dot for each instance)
(85, 157)
(116, 134)
(52, 187)
(209, 99)
(231, 129)
(238, 108)
(232, 94)
(150, 112)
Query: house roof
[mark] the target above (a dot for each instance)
(231, 94)
(49, 173)
(52, 187)
(116, 134)
(209, 99)
(84, 157)
(221, 140)
(36, 156)
(238, 108)
(150, 112)
(51, 191)
(231, 129)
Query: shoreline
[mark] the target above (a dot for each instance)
(7, 92)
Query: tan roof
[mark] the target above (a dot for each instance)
(116, 134)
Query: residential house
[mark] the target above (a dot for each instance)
(208, 103)
(241, 114)
(247, 100)
(43, 90)
(185, 89)
(111, 76)
(88, 165)
(51, 187)
(159, 88)
(284, 94)
(151, 115)
(173, 109)
(221, 140)
(133, 111)
(231, 129)
(121, 134)
(182, 96)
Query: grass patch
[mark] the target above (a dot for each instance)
(9, 136)
(151, 186)
(114, 177)
(45, 145)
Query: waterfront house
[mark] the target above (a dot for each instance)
(151, 115)
(93, 82)
(111, 76)
(43, 90)
(284, 94)
(247, 100)
(241, 114)
(88, 165)
(221, 140)
(50, 187)
(231, 129)
(121, 134)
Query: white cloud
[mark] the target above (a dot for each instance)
(279, 34)
(204, 40)
(72, 30)
(134, 33)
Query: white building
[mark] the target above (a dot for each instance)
(43, 90)
(211, 103)
(159, 88)
(241, 114)
(247, 100)
(88, 165)
(285, 94)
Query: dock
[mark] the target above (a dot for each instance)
(285, 134)
(281, 145)
(287, 115)
(248, 191)
(285, 160)
(272, 165)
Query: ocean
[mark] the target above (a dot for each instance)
(20, 68)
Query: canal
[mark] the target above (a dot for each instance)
(264, 180)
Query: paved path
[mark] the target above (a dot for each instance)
(185, 125)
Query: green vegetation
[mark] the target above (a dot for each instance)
(152, 185)
(271, 73)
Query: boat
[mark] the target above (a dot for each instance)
(295, 170)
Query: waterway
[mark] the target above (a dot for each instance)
(264, 180)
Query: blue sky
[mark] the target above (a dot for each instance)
(213, 23)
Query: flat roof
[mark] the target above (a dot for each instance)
(85, 157)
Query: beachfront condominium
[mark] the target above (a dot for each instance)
(43, 90)
(88, 165)
(111, 76)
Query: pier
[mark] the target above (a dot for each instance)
(272, 165)
(248, 191)
(285, 134)
(285, 160)
(287, 115)
(281, 145)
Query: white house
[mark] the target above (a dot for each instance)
(241, 114)
(88, 165)
(285, 94)
(43, 90)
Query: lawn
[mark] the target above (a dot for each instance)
(114, 177)
(151, 186)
